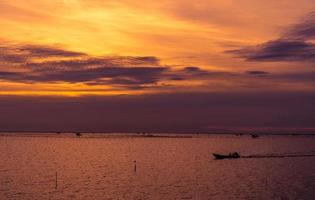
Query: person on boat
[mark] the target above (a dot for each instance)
(236, 155)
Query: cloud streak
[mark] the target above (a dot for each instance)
(303, 30)
(295, 45)
(53, 65)
(40, 51)
(48, 64)
(278, 50)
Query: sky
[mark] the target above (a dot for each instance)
(162, 66)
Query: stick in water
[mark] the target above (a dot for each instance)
(56, 180)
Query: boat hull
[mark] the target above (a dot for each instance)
(220, 157)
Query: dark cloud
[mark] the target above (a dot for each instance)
(144, 60)
(100, 76)
(130, 72)
(120, 72)
(76, 67)
(257, 73)
(9, 75)
(304, 30)
(176, 112)
(140, 75)
(278, 50)
(193, 73)
(128, 77)
(6, 57)
(20, 54)
(192, 69)
(306, 77)
(46, 51)
(92, 62)
(295, 45)
(296, 77)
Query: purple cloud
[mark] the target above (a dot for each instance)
(295, 45)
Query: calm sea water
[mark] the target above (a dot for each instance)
(167, 168)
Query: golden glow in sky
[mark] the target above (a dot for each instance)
(95, 47)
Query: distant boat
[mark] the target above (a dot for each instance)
(229, 156)
(78, 134)
(254, 135)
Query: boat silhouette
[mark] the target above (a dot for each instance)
(233, 155)
(254, 136)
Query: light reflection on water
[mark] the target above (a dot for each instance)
(167, 168)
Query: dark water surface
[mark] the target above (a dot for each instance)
(167, 168)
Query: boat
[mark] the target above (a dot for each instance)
(78, 134)
(254, 136)
(229, 156)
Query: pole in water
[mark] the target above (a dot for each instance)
(135, 162)
(56, 180)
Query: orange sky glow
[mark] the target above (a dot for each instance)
(95, 47)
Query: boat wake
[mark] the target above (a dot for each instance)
(236, 155)
(279, 156)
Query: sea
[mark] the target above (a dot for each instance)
(118, 166)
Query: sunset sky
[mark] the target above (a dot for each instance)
(168, 65)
